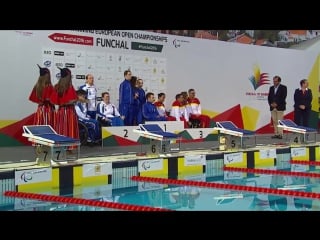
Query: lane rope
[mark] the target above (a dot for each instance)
(81, 201)
(233, 187)
(305, 162)
(271, 171)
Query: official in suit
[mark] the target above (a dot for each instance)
(277, 101)
(302, 104)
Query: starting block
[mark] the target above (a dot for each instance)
(50, 146)
(157, 136)
(231, 136)
(301, 133)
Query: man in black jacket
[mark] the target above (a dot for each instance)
(277, 102)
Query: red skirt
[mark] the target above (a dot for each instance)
(67, 122)
(45, 115)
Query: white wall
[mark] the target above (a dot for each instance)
(219, 71)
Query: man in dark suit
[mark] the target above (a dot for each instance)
(277, 102)
(302, 104)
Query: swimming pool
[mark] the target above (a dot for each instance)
(188, 197)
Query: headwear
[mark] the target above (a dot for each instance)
(64, 72)
(43, 71)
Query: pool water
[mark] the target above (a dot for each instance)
(187, 198)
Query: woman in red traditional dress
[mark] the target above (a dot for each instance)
(65, 97)
(40, 94)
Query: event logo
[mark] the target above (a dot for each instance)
(229, 159)
(23, 202)
(146, 165)
(26, 177)
(258, 79)
(145, 185)
(233, 175)
(179, 42)
(295, 152)
(176, 44)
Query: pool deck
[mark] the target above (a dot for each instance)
(24, 156)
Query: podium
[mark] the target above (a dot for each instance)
(161, 142)
(300, 134)
(232, 137)
(50, 146)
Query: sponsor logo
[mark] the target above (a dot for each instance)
(97, 169)
(72, 39)
(47, 63)
(80, 65)
(80, 76)
(58, 53)
(267, 153)
(59, 65)
(258, 79)
(70, 65)
(97, 193)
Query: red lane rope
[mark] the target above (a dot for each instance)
(273, 172)
(80, 201)
(305, 162)
(232, 187)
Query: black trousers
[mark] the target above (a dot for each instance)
(301, 117)
(103, 122)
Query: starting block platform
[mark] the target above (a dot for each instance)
(155, 133)
(230, 135)
(301, 133)
(50, 146)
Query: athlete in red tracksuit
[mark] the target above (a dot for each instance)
(179, 110)
(161, 108)
(194, 109)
